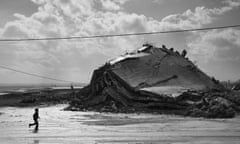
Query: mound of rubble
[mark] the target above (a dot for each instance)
(153, 79)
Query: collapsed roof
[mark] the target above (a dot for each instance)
(149, 77)
(160, 70)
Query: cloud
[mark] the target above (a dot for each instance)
(39, 1)
(158, 1)
(68, 18)
(64, 18)
(197, 18)
(214, 45)
(217, 45)
(113, 5)
(232, 3)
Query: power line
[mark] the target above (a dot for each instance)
(117, 35)
(35, 75)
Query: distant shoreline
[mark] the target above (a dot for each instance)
(23, 90)
(37, 96)
(3, 94)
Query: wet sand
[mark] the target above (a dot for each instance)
(66, 127)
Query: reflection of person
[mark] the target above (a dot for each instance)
(36, 142)
(35, 118)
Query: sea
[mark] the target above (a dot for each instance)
(10, 88)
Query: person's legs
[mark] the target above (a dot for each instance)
(35, 123)
(32, 124)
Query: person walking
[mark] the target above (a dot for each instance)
(35, 118)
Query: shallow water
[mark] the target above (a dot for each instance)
(57, 127)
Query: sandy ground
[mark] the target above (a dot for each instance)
(65, 127)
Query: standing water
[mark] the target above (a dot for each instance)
(58, 126)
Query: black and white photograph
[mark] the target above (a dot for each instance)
(119, 71)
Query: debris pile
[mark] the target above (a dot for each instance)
(152, 79)
(215, 105)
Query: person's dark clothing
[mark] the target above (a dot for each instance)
(35, 118)
(184, 53)
(72, 88)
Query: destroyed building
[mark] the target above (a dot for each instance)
(148, 79)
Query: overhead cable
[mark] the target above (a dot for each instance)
(116, 35)
(35, 75)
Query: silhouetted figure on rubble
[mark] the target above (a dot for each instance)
(163, 46)
(72, 88)
(35, 118)
(184, 53)
(177, 52)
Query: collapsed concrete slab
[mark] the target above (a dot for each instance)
(148, 79)
(160, 70)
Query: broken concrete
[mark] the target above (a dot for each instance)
(151, 80)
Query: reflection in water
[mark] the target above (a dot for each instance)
(36, 142)
(73, 127)
(35, 130)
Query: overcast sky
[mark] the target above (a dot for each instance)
(216, 52)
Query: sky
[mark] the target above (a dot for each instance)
(216, 52)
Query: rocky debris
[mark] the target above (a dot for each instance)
(29, 100)
(236, 87)
(108, 92)
(135, 82)
(214, 105)
(50, 97)
(215, 108)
